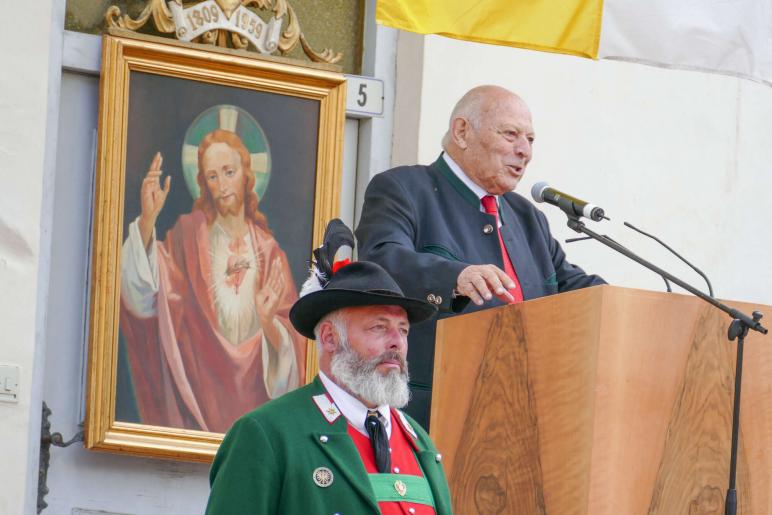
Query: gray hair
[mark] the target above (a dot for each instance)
(338, 320)
(470, 107)
(357, 374)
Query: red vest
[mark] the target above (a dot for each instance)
(403, 461)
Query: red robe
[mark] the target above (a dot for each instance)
(185, 373)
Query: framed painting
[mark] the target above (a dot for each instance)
(216, 174)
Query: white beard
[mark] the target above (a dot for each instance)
(362, 378)
(235, 306)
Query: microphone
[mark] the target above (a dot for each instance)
(572, 206)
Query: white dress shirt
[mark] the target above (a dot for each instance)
(352, 408)
(469, 183)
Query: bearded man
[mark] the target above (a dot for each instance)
(339, 444)
(204, 313)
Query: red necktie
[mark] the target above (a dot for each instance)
(490, 206)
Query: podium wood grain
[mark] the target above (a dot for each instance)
(604, 400)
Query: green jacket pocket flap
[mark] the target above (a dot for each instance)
(440, 251)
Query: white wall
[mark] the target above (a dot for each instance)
(29, 99)
(684, 155)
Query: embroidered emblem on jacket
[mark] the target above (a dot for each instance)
(327, 407)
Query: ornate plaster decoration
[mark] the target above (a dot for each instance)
(226, 23)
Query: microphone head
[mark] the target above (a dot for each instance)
(537, 190)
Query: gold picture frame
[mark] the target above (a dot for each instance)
(147, 86)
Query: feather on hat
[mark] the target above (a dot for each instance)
(334, 285)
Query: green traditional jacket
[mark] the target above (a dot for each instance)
(267, 461)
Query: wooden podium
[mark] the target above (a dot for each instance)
(605, 400)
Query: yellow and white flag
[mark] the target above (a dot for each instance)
(724, 36)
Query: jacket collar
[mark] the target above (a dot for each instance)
(332, 438)
(351, 407)
(399, 418)
(331, 419)
(461, 175)
(469, 196)
(334, 441)
(462, 189)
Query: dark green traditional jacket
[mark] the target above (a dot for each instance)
(424, 226)
(267, 461)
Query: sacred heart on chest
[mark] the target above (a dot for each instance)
(228, 6)
(237, 264)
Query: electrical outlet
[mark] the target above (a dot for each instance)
(9, 383)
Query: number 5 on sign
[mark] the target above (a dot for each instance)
(364, 97)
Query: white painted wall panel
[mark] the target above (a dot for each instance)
(29, 95)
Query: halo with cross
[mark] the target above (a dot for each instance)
(230, 118)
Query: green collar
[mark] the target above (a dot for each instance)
(461, 188)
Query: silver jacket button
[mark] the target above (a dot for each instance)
(487, 229)
(431, 299)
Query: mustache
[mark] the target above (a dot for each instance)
(221, 197)
(389, 356)
(360, 377)
(228, 209)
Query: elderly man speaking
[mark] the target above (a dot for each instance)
(454, 230)
(339, 444)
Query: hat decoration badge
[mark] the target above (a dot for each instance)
(337, 237)
(334, 285)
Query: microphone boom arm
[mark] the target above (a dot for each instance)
(752, 323)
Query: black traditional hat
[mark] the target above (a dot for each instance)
(333, 286)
